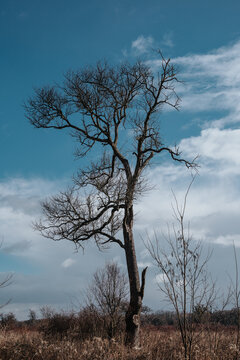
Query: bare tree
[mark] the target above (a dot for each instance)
(235, 292)
(185, 281)
(32, 316)
(114, 111)
(4, 282)
(108, 294)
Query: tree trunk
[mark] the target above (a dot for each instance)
(136, 291)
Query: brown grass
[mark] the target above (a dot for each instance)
(161, 344)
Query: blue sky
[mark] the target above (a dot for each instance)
(39, 41)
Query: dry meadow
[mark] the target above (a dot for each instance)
(156, 344)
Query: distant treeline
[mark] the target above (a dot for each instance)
(162, 318)
(88, 323)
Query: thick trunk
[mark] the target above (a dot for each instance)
(136, 290)
(133, 324)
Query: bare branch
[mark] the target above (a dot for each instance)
(143, 282)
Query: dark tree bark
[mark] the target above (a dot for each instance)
(100, 106)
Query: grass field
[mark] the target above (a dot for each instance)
(156, 344)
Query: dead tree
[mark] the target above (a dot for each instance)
(185, 281)
(114, 111)
(4, 282)
(108, 295)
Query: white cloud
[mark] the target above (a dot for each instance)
(228, 240)
(211, 83)
(159, 278)
(146, 44)
(68, 262)
(216, 146)
(221, 66)
(142, 44)
(142, 264)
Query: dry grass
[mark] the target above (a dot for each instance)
(161, 344)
